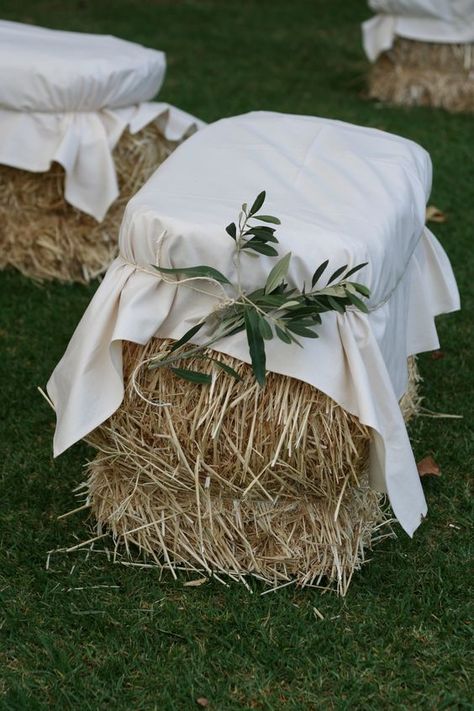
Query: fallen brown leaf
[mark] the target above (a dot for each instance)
(437, 355)
(202, 701)
(434, 214)
(428, 467)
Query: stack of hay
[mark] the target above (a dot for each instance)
(78, 138)
(236, 479)
(423, 52)
(283, 483)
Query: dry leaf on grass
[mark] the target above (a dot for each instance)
(428, 467)
(437, 355)
(434, 214)
(202, 701)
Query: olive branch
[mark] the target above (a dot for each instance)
(274, 310)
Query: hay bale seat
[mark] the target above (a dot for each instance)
(45, 237)
(423, 53)
(415, 73)
(228, 478)
(79, 135)
(236, 480)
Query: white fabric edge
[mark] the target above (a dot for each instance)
(174, 123)
(82, 143)
(380, 31)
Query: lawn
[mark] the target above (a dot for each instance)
(86, 633)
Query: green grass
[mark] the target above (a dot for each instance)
(401, 637)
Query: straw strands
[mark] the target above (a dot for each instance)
(44, 237)
(416, 73)
(236, 480)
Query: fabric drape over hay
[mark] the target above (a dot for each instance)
(44, 237)
(231, 479)
(417, 73)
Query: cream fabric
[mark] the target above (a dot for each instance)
(343, 192)
(68, 97)
(445, 21)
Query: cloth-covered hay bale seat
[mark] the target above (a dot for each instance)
(415, 73)
(45, 237)
(423, 52)
(79, 135)
(280, 479)
(236, 480)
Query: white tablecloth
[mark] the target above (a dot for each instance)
(68, 96)
(444, 21)
(343, 192)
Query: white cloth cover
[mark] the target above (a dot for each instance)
(344, 193)
(68, 96)
(444, 21)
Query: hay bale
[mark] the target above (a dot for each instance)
(44, 237)
(416, 73)
(231, 479)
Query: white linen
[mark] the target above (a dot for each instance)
(68, 97)
(50, 70)
(343, 192)
(444, 21)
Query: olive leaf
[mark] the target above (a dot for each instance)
(336, 305)
(337, 273)
(317, 274)
(231, 230)
(187, 336)
(361, 288)
(265, 329)
(259, 200)
(282, 334)
(357, 302)
(194, 272)
(226, 368)
(192, 375)
(265, 234)
(260, 247)
(278, 274)
(354, 270)
(256, 344)
(301, 329)
(267, 218)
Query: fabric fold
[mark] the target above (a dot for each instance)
(421, 20)
(82, 143)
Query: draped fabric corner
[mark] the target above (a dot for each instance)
(83, 143)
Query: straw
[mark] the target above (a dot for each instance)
(45, 238)
(237, 480)
(416, 73)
